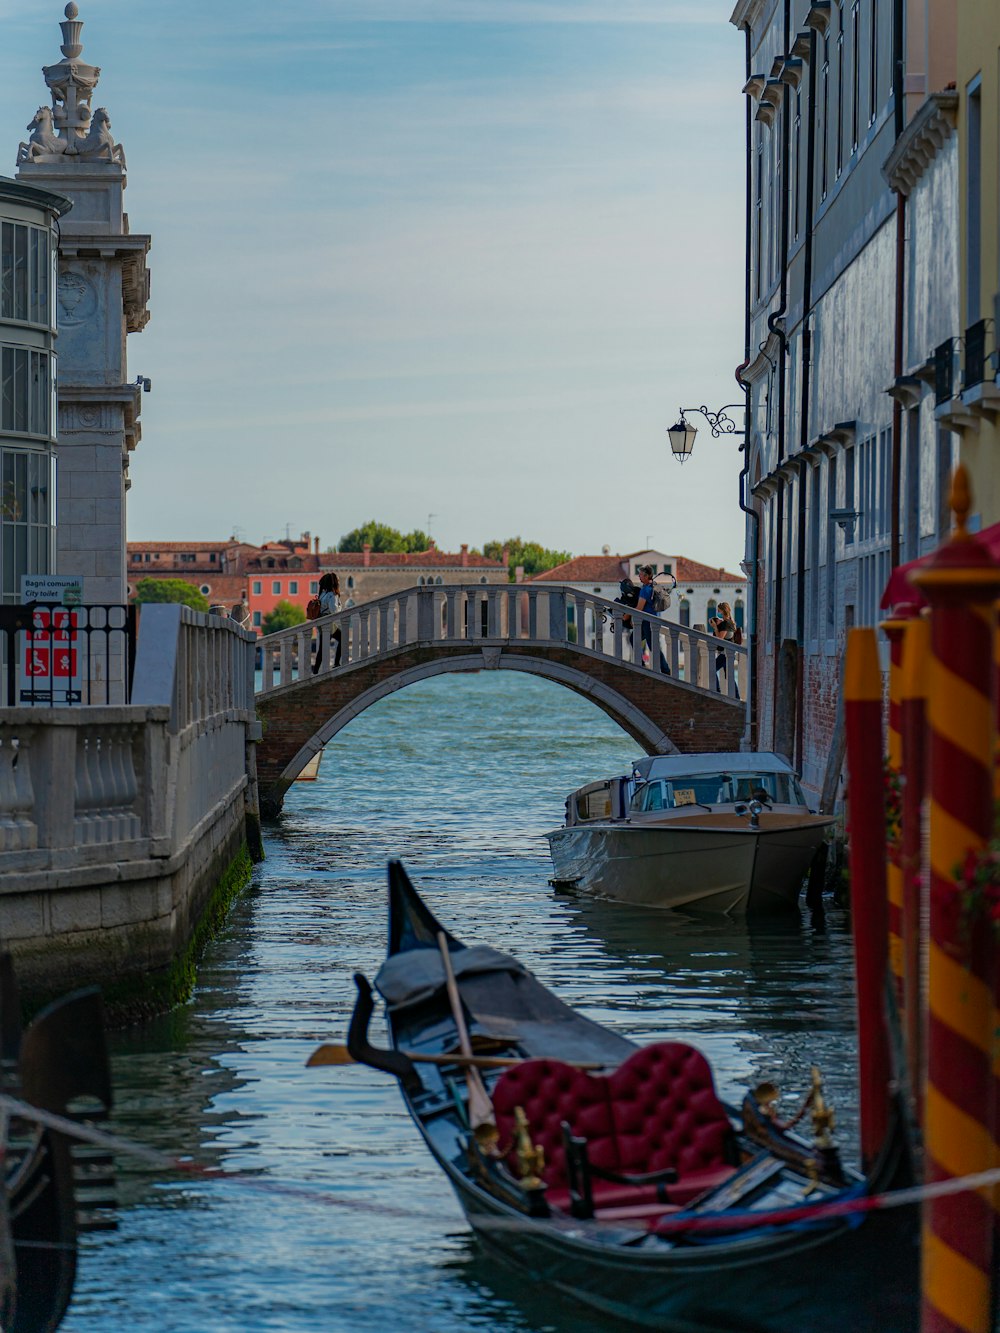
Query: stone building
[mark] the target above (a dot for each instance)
(700, 588)
(849, 285)
(101, 293)
(28, 217)
(976, 340)
(366, 574)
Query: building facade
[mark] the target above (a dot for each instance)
(28, 217)
(101, 295)
(848, 289)
(696, 598)
(975, 347)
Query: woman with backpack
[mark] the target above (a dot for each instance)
(329, 604)
(647, 593)
(723, 627)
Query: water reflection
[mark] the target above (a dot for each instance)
(334, 1217)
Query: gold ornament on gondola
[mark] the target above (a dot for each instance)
(530, 1159)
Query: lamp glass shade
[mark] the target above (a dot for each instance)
(681, 438)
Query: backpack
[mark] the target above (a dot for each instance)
(738, 636)
(313, 609)
(660, 600)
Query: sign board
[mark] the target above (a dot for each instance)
(50, 660)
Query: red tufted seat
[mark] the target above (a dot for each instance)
(657, 1111)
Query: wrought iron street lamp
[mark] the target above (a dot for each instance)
(682, 433)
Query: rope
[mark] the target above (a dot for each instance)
(677, 1222)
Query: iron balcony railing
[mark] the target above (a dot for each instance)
(55, 655)
(944, 372)
(975, 353)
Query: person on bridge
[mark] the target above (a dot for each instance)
(723, 627)
(645, 603)
(329, 601)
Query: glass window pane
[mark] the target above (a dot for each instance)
(6, 270)
(20, 272)
(20, 389)
(6, 388)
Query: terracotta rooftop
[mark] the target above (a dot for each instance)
(613, 568)
(432, 559)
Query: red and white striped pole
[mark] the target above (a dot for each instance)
(869, 903)
(913, 704)
(961, 583)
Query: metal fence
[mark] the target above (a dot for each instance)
(55, 655)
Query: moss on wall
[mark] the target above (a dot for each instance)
(139, 997)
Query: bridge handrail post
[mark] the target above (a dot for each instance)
(425, 614)
(493, 613)
(451, 613)
(557, 615)
(532, 595)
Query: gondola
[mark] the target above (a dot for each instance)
(613, 1173)
(54, 1187)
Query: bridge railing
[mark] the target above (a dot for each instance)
(548, 614)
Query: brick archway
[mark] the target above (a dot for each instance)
(662, 715)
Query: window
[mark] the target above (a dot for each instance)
(685, 613)
(873, 66)
(855, 73)
(276, 586)
(293, 585)
(439, 580)
(831, 550)
(840, 87)
(256, 587)
(314, 586)
(256, 618)
(24, 274)
(420, 581)
(758, 262)
(212, 558)
(137, 559)
(825, 123)
(483, 579)
(849, 491)
(911, 515)
(796, 163)
(187, 558)
(710, 609)
(205, 589)
(738, 613)
(26, 526)
(973, 201)
(147, 557)
(350, 581)
(814, 518)
(25, 391)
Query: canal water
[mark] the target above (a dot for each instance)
(330, 1215)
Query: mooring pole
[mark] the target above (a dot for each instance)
(869, 903)
(961, 583)
(894, 630)
(916, 650)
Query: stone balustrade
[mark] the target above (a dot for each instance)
(117, 820)
(549, 614)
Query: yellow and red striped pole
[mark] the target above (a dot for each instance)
(961, 583)
(894, 630)
(913, 704)
(869, 906)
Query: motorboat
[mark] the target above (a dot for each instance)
(613, 1173)
(728, 832)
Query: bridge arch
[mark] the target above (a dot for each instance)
(662, 716)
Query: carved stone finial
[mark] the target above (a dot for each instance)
(71, 47)
(960, 500)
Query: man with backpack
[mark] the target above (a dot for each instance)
(653, 600)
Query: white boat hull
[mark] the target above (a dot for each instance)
(715, 863)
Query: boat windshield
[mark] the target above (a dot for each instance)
(718, 789)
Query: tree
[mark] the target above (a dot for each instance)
(170, 590)
(283, 615)
(380, 537)
(533, 557)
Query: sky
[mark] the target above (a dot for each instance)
(450, 264)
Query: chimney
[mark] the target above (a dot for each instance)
(367, 555)
(316, 545)
(431, 546)
(505, 556)
(519, 574)
(465, 554)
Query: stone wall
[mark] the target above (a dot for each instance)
(118, 824)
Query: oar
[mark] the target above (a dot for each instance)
(482, 1117)
(332, 1054)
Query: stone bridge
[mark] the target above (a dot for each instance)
(667, 700)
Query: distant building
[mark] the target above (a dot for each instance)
(290, 570)
(366, 574)
(700, 588)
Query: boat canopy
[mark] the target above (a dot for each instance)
(727, 761)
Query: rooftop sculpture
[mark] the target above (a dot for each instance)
(70, 128)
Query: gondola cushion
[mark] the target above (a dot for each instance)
(658, 1110)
